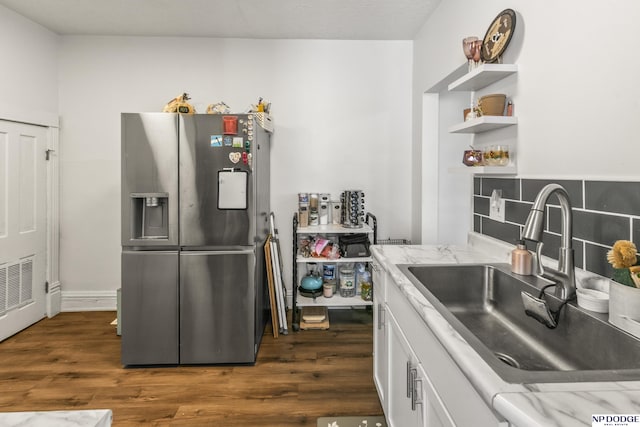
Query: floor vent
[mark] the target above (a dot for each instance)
(16, 285)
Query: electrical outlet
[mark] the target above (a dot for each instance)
(496, 210)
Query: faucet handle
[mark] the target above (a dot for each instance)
(540, 271)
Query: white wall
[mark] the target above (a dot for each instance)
(29, 72)
(349, 105)
(576, 94)
(341, 112)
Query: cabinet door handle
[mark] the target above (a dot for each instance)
(409, 382)
(380, 316)
(416, 398)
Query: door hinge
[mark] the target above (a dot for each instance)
(48, 152)
(46, 287)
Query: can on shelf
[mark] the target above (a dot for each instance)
(329, 276)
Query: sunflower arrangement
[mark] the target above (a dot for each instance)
(623, 257)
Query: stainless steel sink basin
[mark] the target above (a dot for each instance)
(483, 303)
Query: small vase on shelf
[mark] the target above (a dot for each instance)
(624, 295)
(622, 276)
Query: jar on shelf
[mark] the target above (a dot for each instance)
(364, 285)
(360, 268)
(347, 282)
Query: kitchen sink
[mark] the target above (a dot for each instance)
(484, 305)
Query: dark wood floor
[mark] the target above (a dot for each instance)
(72, 362)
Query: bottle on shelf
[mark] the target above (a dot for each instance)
(314, 217)
(509, 109)
(364, 285)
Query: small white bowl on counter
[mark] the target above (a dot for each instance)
(593, 300)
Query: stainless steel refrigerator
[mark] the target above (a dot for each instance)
(195, 208)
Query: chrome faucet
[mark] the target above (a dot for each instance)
(564, 276)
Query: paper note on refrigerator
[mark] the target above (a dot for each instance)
(232, 189)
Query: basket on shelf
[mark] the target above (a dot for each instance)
(394, 242)
(492, 105)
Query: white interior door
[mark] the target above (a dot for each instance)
(23, 237)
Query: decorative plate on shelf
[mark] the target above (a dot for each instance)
(498, 35)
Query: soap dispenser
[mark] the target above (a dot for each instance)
(521, 259)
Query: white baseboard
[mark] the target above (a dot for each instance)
(54, 299)
(89, 301)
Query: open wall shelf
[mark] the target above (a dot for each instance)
(483, 124)
(483, 76)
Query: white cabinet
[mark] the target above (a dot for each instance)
(380, 372)
(424, 386)
(435, 412)
(413, 401)
(403, 408)
(300, 263)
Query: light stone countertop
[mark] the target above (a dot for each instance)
(83, 418)
(523, 405)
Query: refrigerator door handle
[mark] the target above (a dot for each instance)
(147, 251)
(218, 252)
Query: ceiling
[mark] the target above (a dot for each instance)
(264, 19)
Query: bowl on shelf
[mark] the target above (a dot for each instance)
(496, 155)
(472, 158)
(492, 105)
